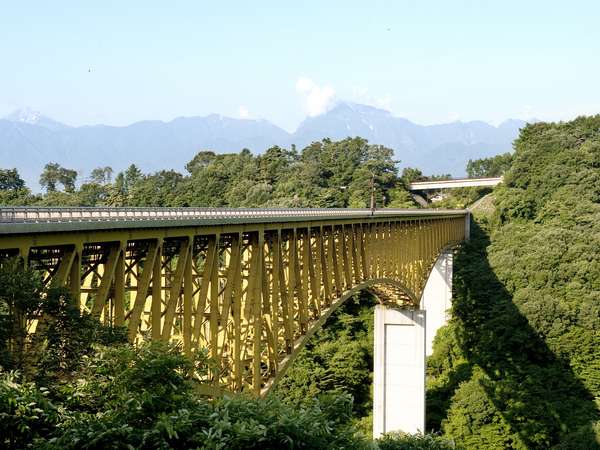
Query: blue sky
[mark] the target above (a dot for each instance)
(117, 62)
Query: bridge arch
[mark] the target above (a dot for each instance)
(434, 298)
(301, 342)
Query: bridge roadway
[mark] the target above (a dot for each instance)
(250, 285)
(454, 183)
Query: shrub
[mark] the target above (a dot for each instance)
(404, 441)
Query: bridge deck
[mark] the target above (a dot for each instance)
(455, 183)
(21, 220)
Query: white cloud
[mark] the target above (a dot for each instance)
(243, 112)
(317, 99)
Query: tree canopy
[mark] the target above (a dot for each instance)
(54, 174)
(518, 365)
(10, 180)
(324, 174)
(489, 167)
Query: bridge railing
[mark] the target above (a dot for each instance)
(83, 214)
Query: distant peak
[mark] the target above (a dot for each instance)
(33, 117)
(25, 115)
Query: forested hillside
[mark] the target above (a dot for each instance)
(519, 364)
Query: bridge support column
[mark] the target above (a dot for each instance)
(437, 297)
(399, 371)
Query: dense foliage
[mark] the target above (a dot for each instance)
(338, 359)
(460, 198)
(65, 388)
(519, 364)
(79, 385)
(62, 336)
(125, 398)
(489, 167)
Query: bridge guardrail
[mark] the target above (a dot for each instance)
(104, 214)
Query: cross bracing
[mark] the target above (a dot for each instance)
(250, 287)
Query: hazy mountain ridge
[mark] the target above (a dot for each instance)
(28, 140)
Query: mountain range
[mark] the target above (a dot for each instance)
(29, 140)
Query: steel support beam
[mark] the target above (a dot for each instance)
(252, 292)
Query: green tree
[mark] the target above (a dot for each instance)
(223, 181)
(159, 189)
(10, 180)
(411, 174)
(338, 359)
(400, 198)
(54, 174)
(13, 190)
(132, 175)
(101, 175)
(489, 167)
(200, 161)
(20, 303)
(50, 177)
(517, 366)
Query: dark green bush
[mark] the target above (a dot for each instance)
(25, 412)
(145, 398)
(403, 441)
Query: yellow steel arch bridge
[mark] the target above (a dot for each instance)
(250, 285)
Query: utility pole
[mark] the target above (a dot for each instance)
(372, 193)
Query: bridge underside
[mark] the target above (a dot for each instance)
(251, 294)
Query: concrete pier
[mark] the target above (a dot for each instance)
(403, 338)
(437, 297)
(399, 371)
